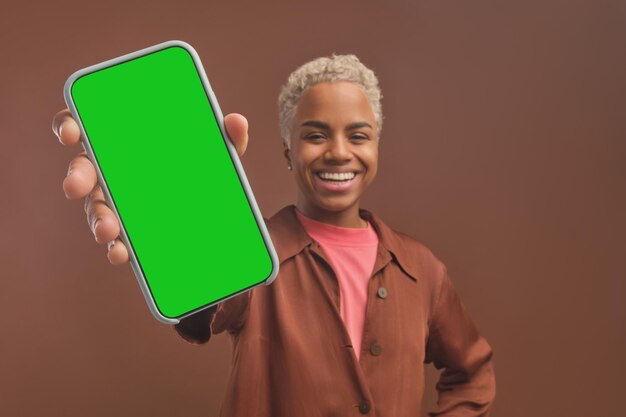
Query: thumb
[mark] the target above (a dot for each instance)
(237, 129)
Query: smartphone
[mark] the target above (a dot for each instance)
(155, 134)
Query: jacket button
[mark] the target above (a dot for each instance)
(382, 292)
(364, 407)
(375, 349)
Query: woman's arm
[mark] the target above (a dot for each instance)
(229, 315)
(196, 329)
(467, 385)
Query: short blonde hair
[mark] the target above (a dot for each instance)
(331, 68)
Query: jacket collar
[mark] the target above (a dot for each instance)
(290, 238)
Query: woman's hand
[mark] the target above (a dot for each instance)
(81, 180)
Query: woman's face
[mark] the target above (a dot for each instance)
(334, 148)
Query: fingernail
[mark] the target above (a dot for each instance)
(60, 132)
(69, 171)
(110, 244)
(95, 225)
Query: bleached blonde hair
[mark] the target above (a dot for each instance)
(326, 69)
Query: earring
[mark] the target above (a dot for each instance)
(289, 167)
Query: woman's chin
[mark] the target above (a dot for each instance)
(335, 204)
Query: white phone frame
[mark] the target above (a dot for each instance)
(231, 150)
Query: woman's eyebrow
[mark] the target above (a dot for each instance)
(326, 126)
(316, 123)
(358, 125)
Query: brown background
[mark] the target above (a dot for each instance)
(503, 150)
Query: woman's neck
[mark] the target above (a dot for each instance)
(344, 218)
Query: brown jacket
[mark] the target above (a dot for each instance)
(292, 355)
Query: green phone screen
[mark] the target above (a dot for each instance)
(156, 139)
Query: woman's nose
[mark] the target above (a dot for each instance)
(338, 149)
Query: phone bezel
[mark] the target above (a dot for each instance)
(67, 92)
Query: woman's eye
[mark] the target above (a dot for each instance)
(359, 137)
(315, 136)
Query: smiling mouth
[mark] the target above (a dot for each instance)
(336, 177)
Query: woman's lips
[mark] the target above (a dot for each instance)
(336, 186)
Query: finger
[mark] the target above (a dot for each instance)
(100, 217)
(118, 254)
(237, 128)
(66, 128)
(81, 177)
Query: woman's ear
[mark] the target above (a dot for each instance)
(287, 156)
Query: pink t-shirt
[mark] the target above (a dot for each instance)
(352, 253)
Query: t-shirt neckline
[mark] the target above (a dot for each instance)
(338, 235)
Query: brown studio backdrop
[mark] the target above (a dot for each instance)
(502, 150)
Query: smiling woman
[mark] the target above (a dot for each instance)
(330, 118)
(357, 308)
(334, 152)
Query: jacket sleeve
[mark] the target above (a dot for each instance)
(228, 315)
(467, 385)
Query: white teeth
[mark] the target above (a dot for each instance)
(336, 176)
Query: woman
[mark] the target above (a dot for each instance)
(357, 308)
